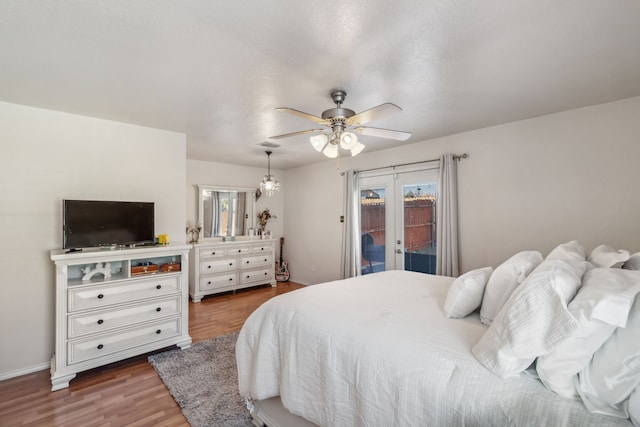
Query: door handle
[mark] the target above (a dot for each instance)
(398, 251)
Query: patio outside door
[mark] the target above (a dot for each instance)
(398, 221)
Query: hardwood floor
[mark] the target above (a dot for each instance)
(126, 393)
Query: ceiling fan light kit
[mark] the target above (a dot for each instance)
(343, 125)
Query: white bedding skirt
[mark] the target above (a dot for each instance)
(377, 350)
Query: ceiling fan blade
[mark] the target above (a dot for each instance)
(302, 132)
(383, 133)
(304, 115)
(375, 113)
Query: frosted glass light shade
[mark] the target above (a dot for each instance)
(357, 149)
(331, 151)
(348, 140)
(318, 142)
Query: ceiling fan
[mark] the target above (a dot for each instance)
(342, 125)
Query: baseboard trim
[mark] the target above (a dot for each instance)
(299, 282)
(24, 371)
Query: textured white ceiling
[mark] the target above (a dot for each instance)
(216, 70)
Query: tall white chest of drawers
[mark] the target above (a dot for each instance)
(225, 266)
(133, 309)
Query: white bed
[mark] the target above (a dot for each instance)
(377, 350)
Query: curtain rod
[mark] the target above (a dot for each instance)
(457, 157)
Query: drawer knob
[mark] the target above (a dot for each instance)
(209, 282)
(231, 279)
(213, 253)
(158, 331)
(158, 286)
(158, 309)
(230, 263)
(247, 262)
(265, 260)
(239, 250)
(100, 296)
(100, 322)
(100, 346)
(262, 249)
(208, 266)
(265, 273)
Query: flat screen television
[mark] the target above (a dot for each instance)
(90, 223)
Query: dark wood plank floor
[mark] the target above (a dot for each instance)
(126, 393)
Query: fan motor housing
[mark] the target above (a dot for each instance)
(338, 113)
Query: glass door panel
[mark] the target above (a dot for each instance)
(377, 219)
(419, 226)
(416, 227)
(373, 229)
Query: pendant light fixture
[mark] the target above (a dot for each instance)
(268, 184)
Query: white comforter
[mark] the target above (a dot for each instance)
(377, 350)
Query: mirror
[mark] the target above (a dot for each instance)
(226, 211)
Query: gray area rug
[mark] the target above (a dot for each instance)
(203, 380)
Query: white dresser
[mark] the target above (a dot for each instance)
(225, 266)
(136, 304)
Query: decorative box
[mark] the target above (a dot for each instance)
(144, 268)
(172, 266)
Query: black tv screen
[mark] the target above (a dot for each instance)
(89, 223)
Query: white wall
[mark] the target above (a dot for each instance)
(48, 156)
(226, 175)
(526, 185)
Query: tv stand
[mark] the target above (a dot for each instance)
(112, 305)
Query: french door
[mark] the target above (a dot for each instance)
(398, 220)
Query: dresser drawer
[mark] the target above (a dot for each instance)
(266, 248)
(218, 281)
(218, 266)
(106, 320)
(81, 350)
(212, 253)
(263, 275)
(256, 261)
(238, 250)
(86, 297)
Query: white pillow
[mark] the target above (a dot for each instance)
(506, 277)
(604, 256)
(633, 263)
(634, 407)
(614, 372)
(570, 251)
(465, 293)
(601, 304)
(534, 320)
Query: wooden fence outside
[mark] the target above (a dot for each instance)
(419, 222)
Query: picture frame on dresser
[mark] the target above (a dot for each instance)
(139, 305)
